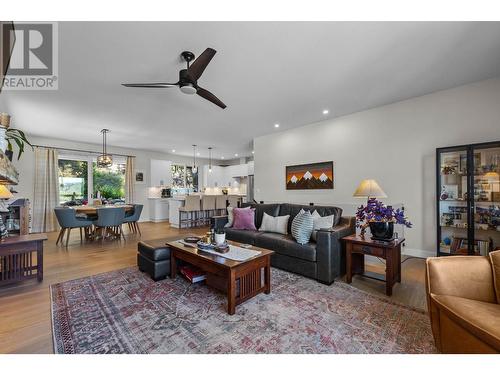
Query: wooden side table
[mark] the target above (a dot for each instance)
(21, 258)
(356, 249)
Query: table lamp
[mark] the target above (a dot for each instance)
(4, 194)
(369, 189)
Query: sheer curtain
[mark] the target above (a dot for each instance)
(46, 194)
(129, 180)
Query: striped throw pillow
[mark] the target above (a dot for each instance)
(302, 227)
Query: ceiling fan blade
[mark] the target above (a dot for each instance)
(150, 85)
(198, 66)
(211, 97)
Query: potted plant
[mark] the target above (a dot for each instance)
(19, 138)
(380, 218)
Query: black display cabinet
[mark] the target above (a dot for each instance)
(468, 199)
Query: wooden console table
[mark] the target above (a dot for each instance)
(21, 258)
(356, 249)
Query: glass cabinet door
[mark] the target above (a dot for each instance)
(453, 198)
(485, 204)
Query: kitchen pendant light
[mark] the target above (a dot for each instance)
(104, 160)
(195, 168)
(210, 159)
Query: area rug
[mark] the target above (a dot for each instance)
(125, 311)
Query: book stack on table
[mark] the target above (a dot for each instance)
(192, 274)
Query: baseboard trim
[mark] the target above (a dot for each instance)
(418, 253)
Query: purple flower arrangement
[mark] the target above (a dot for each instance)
(375, 210)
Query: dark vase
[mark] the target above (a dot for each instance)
(382, 230)
(9, 154)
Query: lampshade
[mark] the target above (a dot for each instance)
(369, 189)
(5, 193)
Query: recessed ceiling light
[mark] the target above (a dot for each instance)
(326, 111)
(253, 152)
(222, 157)
(197, 154)
(235, 154)
(173, 150)
(276, 125)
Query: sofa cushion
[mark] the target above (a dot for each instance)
(286, 245)
(480, 318)
(321, 222)
(294, 209)
(274, 224)
(302, 227)
(244, 218)
(230, 216)
(272, 209)
(495, 263)
(242, 236)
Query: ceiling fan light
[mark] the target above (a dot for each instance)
(188, 89)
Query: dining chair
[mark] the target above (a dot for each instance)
(221, 204)
(109, 221)
(133, 220)
(67, 219)
(191, 208)
(208, 204)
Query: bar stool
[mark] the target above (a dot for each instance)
(191, 208)
(221, 204)
(208, 207)
(234, 200)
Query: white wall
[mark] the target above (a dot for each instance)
(25, 166)
(394, 144)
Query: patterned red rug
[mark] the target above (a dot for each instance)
(126, 312)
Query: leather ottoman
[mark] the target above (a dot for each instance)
(154, 259)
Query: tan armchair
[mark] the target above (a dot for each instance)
(462, 296)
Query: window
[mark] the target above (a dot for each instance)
(109, 182)
(80, 179)
(73, 180)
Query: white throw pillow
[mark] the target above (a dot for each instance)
(278, 224)
(321, 222)
(230, 216)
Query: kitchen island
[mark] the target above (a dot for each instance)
(176, 202)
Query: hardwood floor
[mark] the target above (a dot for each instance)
(25, 325)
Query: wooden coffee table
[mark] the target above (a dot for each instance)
(239, 280)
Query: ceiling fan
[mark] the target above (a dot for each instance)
(188, 78)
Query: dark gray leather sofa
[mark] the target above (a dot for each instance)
(323, 260)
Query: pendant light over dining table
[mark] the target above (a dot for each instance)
(104, 160)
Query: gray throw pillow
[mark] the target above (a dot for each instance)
(302, 227)
(321, 222)
(278, 224)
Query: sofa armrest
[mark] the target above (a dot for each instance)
(468, 277)
(218, 222)
(330, 254)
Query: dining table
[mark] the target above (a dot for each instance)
(92, 210)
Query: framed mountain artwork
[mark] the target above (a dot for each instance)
(310, 176)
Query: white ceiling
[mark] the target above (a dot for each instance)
(266, 73)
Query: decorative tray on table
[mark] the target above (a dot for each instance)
(222, 248)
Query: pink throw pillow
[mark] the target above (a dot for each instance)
(244, 218)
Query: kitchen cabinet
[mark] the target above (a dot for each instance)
(158, 209)
(161, 173)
